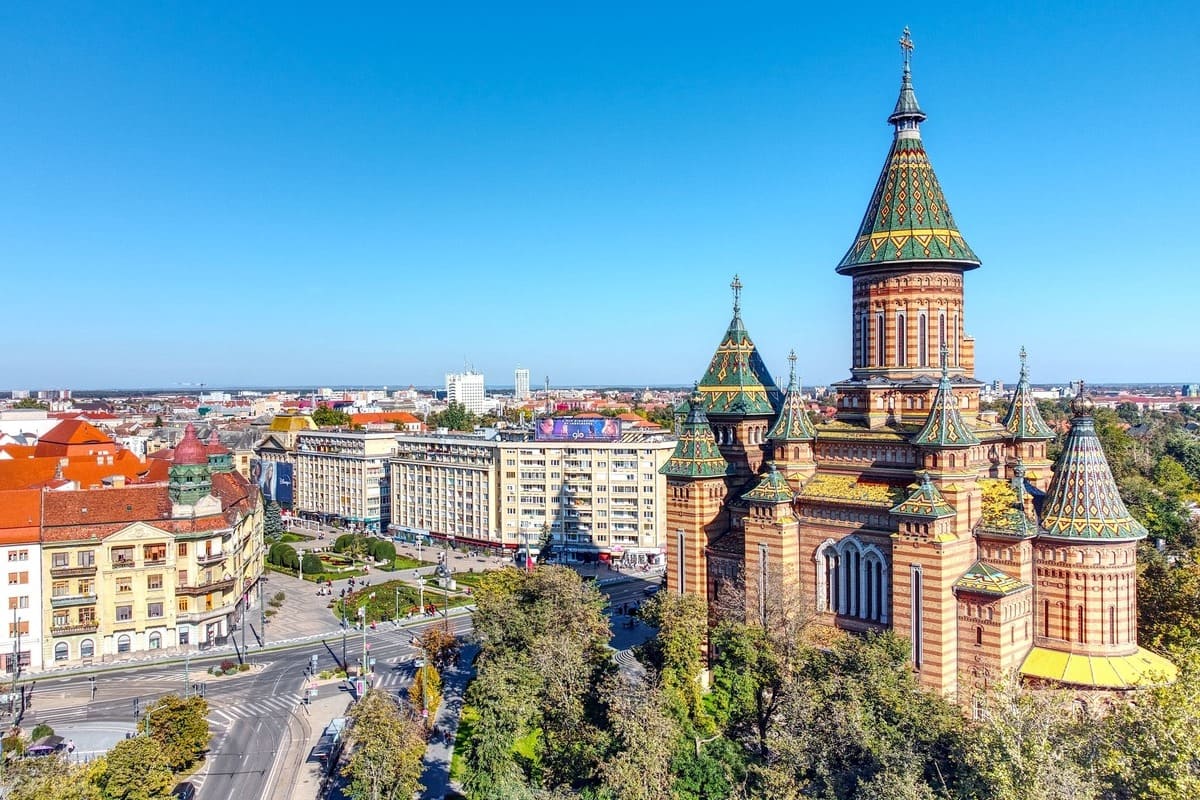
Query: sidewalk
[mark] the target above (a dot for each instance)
(302, 776)
(436, 774)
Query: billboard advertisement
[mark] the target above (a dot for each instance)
(274, 479)
(574, 429)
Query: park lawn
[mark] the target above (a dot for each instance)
(382, 602)
(289, 537)
(405, 562)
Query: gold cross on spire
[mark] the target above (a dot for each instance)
(906, 46)
(1024, 366)
(792, 360)
(736, 285)
(945, 352)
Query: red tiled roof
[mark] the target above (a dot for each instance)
(100, 506)
(73, 437)
(18, 450)
(402, 417)
(20, 516)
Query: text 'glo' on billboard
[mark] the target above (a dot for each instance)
(572, 429)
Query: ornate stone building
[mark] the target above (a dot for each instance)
(913, 510)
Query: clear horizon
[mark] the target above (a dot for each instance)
(259, 195)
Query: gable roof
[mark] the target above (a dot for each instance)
(983, 578)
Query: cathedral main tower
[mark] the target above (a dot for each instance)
(907, 262)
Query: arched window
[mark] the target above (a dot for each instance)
(61, 651)
(917, 604)
(978, 634)
(123, 643)
(957, 336)
(901, 340)
(922, 340)
(1112, 625)
(864, 343)
(87, 648)
(880, 341)
(155, 641)
(1082, 627)
(941, 331)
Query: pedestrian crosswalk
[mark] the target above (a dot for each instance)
(224, 716)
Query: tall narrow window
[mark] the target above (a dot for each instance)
(922, 340)
(901, 340)
(762, 582)
(864, 342)
(880, 341)
(917, 623)
(1082, 629)
(941, 330)
(1112, 625)
(957, 337)
(680, 569)
(1046, 619)
(978, 634)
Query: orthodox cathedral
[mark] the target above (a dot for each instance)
(914, 510)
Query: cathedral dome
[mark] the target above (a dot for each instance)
(191, 450)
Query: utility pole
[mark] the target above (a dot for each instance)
(262, 613)
(187, 673)
(396, 611)
(18, 701)
(362, 613)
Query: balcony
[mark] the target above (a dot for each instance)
(223, 585)
(73, 572)
(70, 600)
(208, 559)
(123, 563)
(74, 630)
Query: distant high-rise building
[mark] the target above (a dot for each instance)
(521, 384)
(466, 388)
(1189, 390)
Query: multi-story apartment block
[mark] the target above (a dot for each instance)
(598, 499)
(343, 475)
(466, 388)
(21, 558)
(520, 384)
(149, 567)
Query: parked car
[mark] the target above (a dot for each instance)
(184, 791)
(650, 591)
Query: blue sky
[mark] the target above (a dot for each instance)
(210, 193)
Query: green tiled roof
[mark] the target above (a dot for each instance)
(696, 454)
(773, 488)
(908, 218)
(1082, 500)
(792, 424)
(926, 502)
(737, 380)
(985, 579)
(1023, 420)
(944, 427)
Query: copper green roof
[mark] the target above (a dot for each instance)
(1082, 500)
(944, 427)
(1023, 420)
(737, 380)
(926, 502)
(792, 424)
(908, 218)
(773, 488)
(696, 454)
(985, 579)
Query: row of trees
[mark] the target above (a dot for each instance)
(175, 736)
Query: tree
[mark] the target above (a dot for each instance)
(425, 692)
(137, 769)
(385, 760)
(29, 402)
(51, 778)
(181, 728)
(382, 550)
(311, 564)
(643, 736)
(676, 652)
(158, 420)
(324, 417)
(1128, 412)
(456, 417)
(439, 647)
(40, 730)
(1168, 602)
(272, 521)
(283, 555)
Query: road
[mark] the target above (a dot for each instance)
(254, 716)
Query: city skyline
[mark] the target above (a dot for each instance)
(603, 177)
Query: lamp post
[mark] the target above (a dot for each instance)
(362, 613)
(396, 612)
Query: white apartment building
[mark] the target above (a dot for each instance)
(601, 500)
(344, 476)
(21, 557)
(466, 388)
(520, 384)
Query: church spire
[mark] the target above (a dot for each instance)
(1023, 419)
(1082, 501)
(944, 427)
(737, 381)
(907, 116)
(792, 424)
(696, 454)
(908, 218)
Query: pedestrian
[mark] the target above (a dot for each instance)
(70, 746)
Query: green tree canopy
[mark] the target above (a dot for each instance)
(137, 769)
(386, 750)
(325, 416)
(181, 728)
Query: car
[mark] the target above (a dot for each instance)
(650, 591)
(184, 791)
